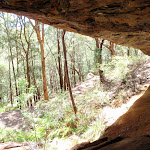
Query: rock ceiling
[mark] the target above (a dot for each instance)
(125, 22)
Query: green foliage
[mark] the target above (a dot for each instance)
(118, 68)
(10, 134)
(3, 81)
(25, 93)
(22, 85)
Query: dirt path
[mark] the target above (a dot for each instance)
(90, 83)
(12, 119)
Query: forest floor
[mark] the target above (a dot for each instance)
(137, 82)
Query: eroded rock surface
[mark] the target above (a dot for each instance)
(126, 22)
(119, 143)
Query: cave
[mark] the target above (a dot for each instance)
(125, 22)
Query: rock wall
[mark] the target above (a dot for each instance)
(125, 22)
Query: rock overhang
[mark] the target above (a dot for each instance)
(125, 22)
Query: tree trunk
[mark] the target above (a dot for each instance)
(59, 63)
(73, 65)
(128, 52)
(136, 52)
(37, 89)
(28, 69)
(14, 72)
(43, 72)
(97, 42)
(51, 86)
(99, 45)
(67, 75)
(29, 103)
(100, 71)
(37, 95)
(74, 77)
(80, 72)
(112, 49)
(17, 50)
(10, 85)
(41, 41)
(24, 69)
(65, 80)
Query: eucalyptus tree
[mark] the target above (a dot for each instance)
(67, 74)
(59, 61)
(40, 37)
(111, 47)
(98, 56)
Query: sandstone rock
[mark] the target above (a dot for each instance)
(136, 143)
(125, 22)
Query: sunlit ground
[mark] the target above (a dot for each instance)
(112, 114)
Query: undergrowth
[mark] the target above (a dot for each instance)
(55, 118)
(119, 66)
